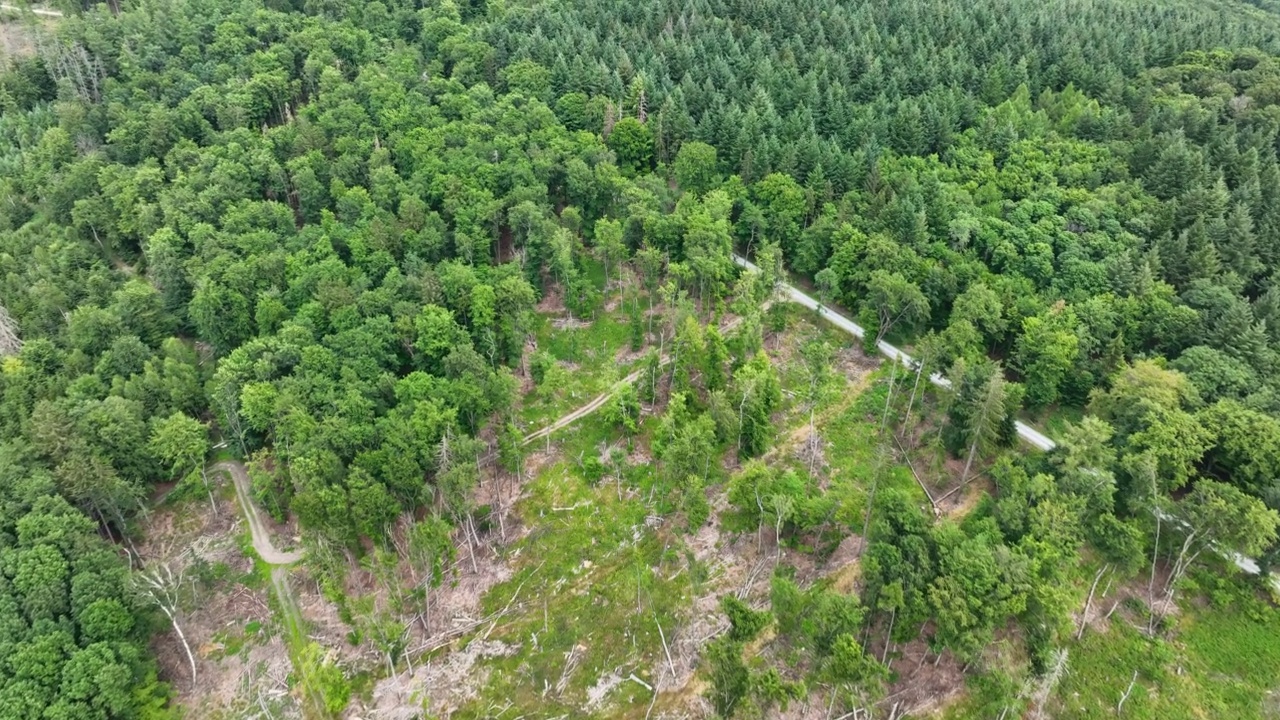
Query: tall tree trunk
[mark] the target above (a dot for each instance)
(888, 401)
(1084, 615)
(1151, 582)
(906, 421)
(968, 463)
(888, 638)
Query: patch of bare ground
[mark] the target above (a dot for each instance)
(852, 362)
(728, 570)
(842, 567)
(737, 564)
(445, 680)
(626, 356)
(18, 38)
(552, 302)
(960, 501)
(190, 540)
(925, 681)
(569, 323)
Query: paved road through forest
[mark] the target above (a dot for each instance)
(1026, 432)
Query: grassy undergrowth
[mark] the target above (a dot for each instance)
(1220, 660)
(588, 356)
(592, 582)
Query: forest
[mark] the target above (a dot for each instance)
(378, 254)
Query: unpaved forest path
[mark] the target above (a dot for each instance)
(35, 10)
(585, 410)
(279, 560)
(257, 528)
(602, 398)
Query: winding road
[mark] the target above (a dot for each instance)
(257, 526)
(1026, 432)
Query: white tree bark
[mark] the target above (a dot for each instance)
(162, 588)
(10, 343)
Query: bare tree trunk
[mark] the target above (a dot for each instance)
(742, 409)
(1155, 553)
(871, 498)
(10, 343)
(163, 592)
(1125, 696)
(204, 476)
(500, 504)
(475, 542)
(968, 463)
(813, 446)
(777, 533)
(760, 524)
(893, 376)
(1084, 616)
(1179, 570)
(906, 421)
(888, 638)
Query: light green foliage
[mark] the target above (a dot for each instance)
(528, 77)
(1045, 352)
(1221, 514)
(624, 409)
(895, 301)
(695, 167)
(1246, 448)
(684, 442)
(632, 141)
(180, 442)
(730, 678)
(755, 392)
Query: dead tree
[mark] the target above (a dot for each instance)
(10, 343)
(1127, 691)
(161, 585)
(1084, 615)
(75, 66)
(1043, 689)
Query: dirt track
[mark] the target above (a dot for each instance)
(603, 398)
(257, 528)
(34, 10)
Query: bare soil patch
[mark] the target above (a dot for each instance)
(241, 661)
(925, 682)
(17, 39)
(552, 303)
(570, 323)
(446, 681)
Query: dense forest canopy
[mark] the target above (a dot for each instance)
(322, 228)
